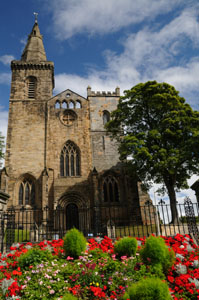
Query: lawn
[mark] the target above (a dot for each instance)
(17, 235)
(44, 271)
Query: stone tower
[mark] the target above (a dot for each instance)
(58, 152)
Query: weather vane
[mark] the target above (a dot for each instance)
(36, 15)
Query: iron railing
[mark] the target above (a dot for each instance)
(34, 225)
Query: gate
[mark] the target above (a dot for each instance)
(191, 218)
(7, 236)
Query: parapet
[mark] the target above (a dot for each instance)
(90, 93)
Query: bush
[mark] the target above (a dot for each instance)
(155, 251)
(33, 257)
(68, 297)
(98, 253)
(125, 247)
(148, 289)
(74, 243)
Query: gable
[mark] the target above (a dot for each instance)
(67, 96)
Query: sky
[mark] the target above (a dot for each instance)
(107, 43)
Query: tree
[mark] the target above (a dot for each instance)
(1, 147)
(160, 132)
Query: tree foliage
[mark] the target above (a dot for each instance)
(1, 147)
(160, 131)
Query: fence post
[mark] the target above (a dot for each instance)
(2, 232)
(191, 219)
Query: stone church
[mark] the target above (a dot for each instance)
(58, 153)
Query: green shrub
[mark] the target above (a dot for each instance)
(33, 257)
(155, 251)
(69, 297)
(74, 243)
(148, 289)
(125, 247)
(98, 253)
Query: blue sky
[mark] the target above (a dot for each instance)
(106, 43)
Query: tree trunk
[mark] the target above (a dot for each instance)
(172, 197)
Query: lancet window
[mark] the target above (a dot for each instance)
(106, 116)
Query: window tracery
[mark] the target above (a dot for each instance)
(26, 193)
(110, 189)
(70, 160)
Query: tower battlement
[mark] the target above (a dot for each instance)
(91, 93)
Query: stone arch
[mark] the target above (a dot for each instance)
(74, 210)
(70, 160)
(110, 187)
(26, 190)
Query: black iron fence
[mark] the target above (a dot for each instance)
(34, 225)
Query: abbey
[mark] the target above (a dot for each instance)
(58, 152)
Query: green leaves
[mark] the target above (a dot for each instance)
(154, 125)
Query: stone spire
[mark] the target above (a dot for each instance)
(34, 50)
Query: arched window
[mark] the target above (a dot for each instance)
(106, 116)
(78, 104)
(70, 160)
(71, 105)
(57, 104)
(110, 189)
(64, 104)
(32, 84)
(27, 193)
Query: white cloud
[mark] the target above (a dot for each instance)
(6, 59)
(147, 55)
(5, 78)
(100, 17)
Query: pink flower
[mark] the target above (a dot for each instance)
(69, 258)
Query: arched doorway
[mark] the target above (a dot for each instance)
(72, 216)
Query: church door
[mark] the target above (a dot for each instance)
(72, 216)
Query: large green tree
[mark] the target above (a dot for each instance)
(160, 133)
(1, 147)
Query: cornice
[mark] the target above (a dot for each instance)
(21, 65)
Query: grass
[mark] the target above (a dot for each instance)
(135, 231)
(17, 235)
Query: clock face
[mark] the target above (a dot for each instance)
(68, 117)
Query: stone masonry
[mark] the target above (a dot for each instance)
(58, 151)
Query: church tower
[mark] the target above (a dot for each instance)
(31, 87)
(59, 157)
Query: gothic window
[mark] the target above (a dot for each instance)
(106, 116)
(32, 82)
(21, 190)
(70, 160)
(71, 105)
(78, 104)
(27, 193)
(110, 189)
(57, 104)
(64, 104)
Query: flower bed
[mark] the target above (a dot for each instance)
(97, 274)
